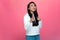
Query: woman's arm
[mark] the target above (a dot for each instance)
(40, 22)
(27, 23)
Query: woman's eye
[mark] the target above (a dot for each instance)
(31, 5)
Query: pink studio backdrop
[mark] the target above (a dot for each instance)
(13, 11)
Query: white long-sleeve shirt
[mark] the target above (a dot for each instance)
(30, 30)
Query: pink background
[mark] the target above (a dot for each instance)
(11, 19)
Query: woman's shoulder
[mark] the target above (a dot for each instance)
(26, 15)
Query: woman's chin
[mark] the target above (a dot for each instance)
(33, 11)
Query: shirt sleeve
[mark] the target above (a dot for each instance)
(27, 23)
(40, 24)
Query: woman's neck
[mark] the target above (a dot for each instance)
(31, 12)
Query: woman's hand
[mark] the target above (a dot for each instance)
(38, 19)
(32, 19)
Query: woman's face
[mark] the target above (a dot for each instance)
(32, 7)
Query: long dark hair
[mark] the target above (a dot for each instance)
(35, 23)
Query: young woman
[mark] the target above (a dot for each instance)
(32, 22)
